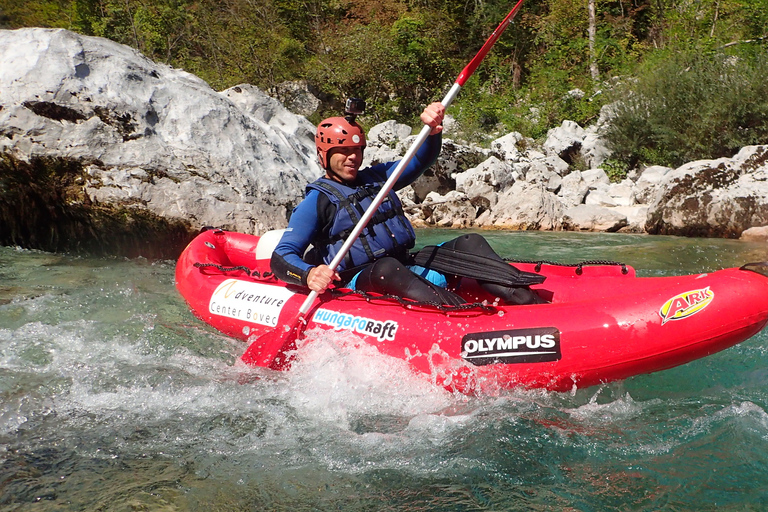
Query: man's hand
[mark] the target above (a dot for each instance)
(433, 116)
(320, 277)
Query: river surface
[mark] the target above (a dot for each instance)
(114, 397)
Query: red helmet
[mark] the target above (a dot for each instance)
(337, 132)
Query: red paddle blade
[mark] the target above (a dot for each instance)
(270, 350)
(475, 62)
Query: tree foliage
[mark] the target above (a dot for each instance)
(401, 54)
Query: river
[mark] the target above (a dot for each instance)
(115, 398)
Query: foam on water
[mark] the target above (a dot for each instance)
(115, 398)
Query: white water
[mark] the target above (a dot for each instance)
(115, 398)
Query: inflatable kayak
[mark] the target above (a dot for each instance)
(601, 323)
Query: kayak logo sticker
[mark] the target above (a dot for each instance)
(382, 331)
(539, 345)
(249, 302)
(686, 304)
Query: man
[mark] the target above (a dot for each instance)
(379, 260)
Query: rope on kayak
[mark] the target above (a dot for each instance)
(224, 269)
(579, 266)
(248, 272)
(410, 303)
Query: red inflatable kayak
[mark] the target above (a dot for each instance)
(603, 323)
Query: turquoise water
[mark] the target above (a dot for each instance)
(115, 398)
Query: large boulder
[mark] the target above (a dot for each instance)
(507, 148)
(524, 206)
(586, 217)
(107, 151)
(297, 97)
(713, 198)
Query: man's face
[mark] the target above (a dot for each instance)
(344, 163)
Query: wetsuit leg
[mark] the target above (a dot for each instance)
(389, 276)
(476, 244)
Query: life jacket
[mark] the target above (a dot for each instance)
(388, 233)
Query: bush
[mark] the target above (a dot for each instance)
(615, 170)
(691, 107)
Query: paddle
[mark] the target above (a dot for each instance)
(269, 349)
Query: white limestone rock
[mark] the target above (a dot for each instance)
(485, 180)
(150, 137)
(590, 217)
(573, 189)
(648, 182)
(506, 148)
(714, 198)
(524, 206)
(565, 141)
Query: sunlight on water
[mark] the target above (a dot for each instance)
(114, 397)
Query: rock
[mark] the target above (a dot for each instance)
(453, 210)
(585, 217)
(623, 194)
(755, 234)
(594, 150)
(594, 176)
(134, 157)
(573, 190)
(648, 182)
(565, 141)
(540, 173)
(102, 150)
(450, 126)
(713, 198)
(297, 97)
(295, 130)
(453, 158)
(388, 133)
(524, 206)
(600, 196)
(381, 141)
(485, 179)
(636, 216)
(551, 163)
(506, 148)
(378, 153)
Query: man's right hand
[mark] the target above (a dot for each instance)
(320, 278)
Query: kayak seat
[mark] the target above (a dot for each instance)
(265, 247)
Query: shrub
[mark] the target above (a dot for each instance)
(691, 107)
(615, 170)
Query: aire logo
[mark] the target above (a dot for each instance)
(686, 304)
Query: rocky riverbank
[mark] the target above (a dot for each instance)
(107, 152)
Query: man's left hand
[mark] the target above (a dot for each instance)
(433, 117)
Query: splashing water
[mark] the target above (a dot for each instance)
(115, 398)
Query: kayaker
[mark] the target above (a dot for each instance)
(379, 260)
